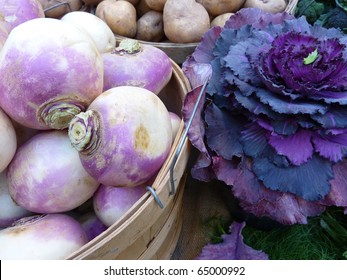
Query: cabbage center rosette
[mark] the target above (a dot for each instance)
(274, 122)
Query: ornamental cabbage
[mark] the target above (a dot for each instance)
(273, 123)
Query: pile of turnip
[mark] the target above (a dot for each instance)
(83, 128)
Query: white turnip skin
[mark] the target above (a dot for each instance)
(135, 64)
(46, 175)
(124, 137)
(9, 210)
(8, 140)
(42, 237)
(15, 12)
(50, 71)
(98, 30)
(111, 203)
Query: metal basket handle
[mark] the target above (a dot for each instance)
(178, 150)
(58, 5)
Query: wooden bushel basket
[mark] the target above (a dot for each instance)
(150, 230)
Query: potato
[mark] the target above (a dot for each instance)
(270, 6)
(221, 19)
(58, 8)
(156, 5)
(218, 7)
(150, 27)
(185, 21)
(119, 15)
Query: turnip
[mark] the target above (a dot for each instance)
(15, 12)
(8, 140)
(136, 64)
(50, 71)
(46, 175)
(91, 224)
(9, 210)
(42, 237)
(124, 137)
(98, 30)
(111, 203)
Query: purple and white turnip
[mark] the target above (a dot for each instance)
(136, 64)
(9, 209)
(50, 71)
(91, 224)
(13, 13)
(42, 237)
(111, 203)
(46, 175)
(98, 30)
(124, 137)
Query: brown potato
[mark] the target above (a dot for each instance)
(119, 15)
(58, 8)
(218, 7)
(221, 19)
(156, 5)
(150, 27)
(270, 6)
(185, 21)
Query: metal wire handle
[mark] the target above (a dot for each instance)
(183, 138)
(58, 5)
(178, 150)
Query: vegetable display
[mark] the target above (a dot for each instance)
(65, 136)
(273, 124)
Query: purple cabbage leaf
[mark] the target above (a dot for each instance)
(232, 247)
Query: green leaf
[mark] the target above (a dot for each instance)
(311, 57)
